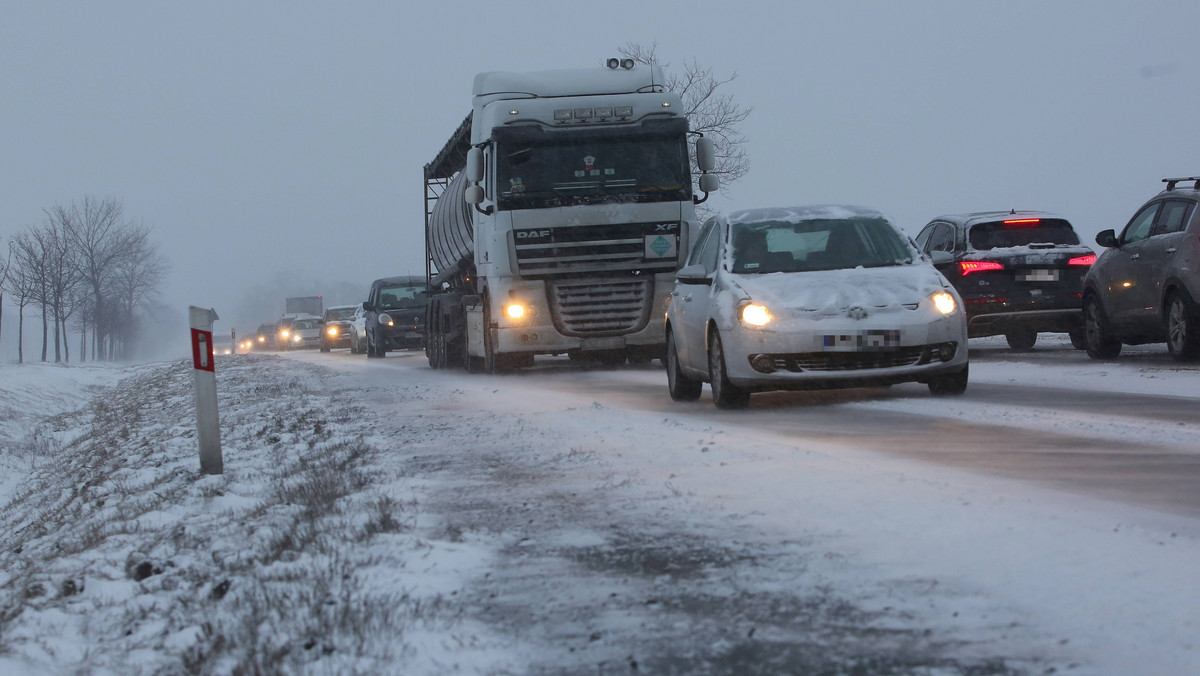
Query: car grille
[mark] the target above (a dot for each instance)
(599, 307)
(856, 361)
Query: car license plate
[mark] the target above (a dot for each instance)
(861, 341)
(1038, 275)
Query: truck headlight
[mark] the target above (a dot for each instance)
(514, 310)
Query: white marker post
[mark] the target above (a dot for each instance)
(208, 428)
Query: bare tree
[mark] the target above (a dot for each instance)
(709, 111)
(21, 284)
(135, 282)
(4, 275)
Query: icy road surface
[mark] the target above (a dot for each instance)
(563, 520)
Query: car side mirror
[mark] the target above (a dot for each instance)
(1107, 238)
(940, 257)
(693, 274)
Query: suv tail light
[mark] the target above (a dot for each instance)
(1083, 260)
(1022, 223)
(967, 267)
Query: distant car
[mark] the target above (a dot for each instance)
(283, 337)
(1145, 285)
(394, 315)
(305, 333)
(1019, 273)
(266, 337)
(810, 297)
(358, 331)
(338, 330)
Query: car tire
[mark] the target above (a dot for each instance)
(726, 395)
(680, 386)
(1098, 342)
(1183, 328)
(1021, 340)
(1078, 339)
(950, 385)
(324, 347)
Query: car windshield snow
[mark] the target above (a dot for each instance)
(340, 313)
(823, 244)
(1022, 232)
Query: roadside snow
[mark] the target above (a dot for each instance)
(381, 517)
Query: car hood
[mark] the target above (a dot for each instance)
(829, 292)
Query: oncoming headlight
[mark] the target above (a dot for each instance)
(944, 302)
(333, 331)
(514, 310)
(756, 315)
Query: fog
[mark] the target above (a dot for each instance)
(279, 153)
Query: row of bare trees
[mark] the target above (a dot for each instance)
(84, 268)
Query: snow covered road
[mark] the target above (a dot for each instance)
(572, 521)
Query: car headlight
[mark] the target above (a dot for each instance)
(944, 302)
(386, 319)
(297, 338)
(333, 331)
(284, 333)
(756, 315)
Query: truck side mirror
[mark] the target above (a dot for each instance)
(473, 194)
(706, 154)
(709, 182)
(474, 165)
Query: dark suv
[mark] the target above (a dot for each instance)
(1144, 287)
(1019, 272)
(395, 315)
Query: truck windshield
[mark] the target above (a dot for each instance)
(617, 165)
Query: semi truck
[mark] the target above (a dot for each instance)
(313, 305)
(556, 216)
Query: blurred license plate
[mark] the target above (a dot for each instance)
(859, 341)
(1038, 276)
(412, 334)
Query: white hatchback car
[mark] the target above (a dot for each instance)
(809, 298)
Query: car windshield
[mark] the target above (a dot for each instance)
(398, 297)
(1022, 232)
(820, 244)
(339, 313)
(305, 324)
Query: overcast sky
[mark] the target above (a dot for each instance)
(269, 139)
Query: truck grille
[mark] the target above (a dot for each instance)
(600, 307)
(597, 249)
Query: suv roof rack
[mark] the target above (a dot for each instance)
(1172, 181)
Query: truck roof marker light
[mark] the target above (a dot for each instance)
(1083, 260)
(514, 111)
(564, 114)
(623, 111)
(613, 63)
(666, 104)
(967, 267)
(627, 64)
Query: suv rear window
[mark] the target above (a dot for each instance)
(1021, 232)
